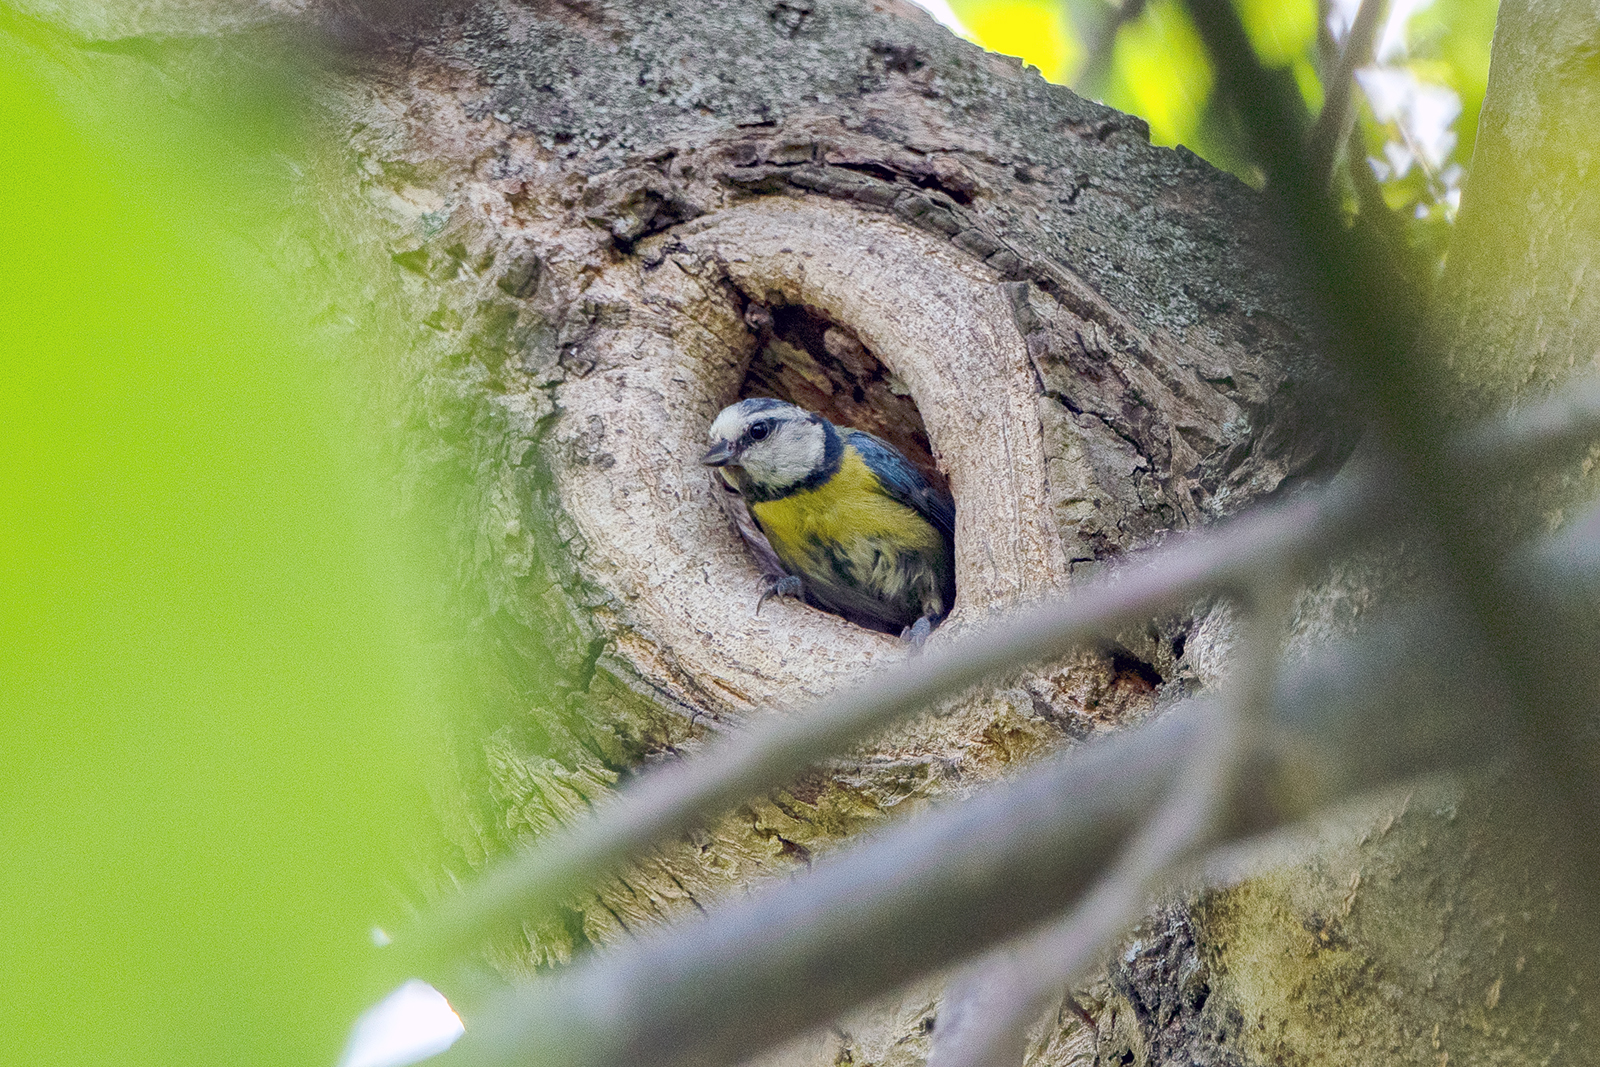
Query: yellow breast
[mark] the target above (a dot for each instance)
(849, 507)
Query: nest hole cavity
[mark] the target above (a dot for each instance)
(805, 358)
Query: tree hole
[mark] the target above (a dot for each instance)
(1128, 670)
(810, 361)
(805, 358)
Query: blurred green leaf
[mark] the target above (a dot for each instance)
(1156, 69)
(1281, 31)
(1161, 73)
(212, 734)
(1036, 30)
(1310, 86)
(1457, 33)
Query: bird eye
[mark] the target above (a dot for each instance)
(760, 430)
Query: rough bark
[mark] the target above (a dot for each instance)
(596, 225)
(612, 230)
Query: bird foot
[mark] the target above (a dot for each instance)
(779, 585)
(916, 635)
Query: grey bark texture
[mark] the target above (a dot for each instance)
(596, 223)
(609, 229)
(616, 219)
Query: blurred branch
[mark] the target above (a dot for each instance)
(939, 888)
(921, 896)
(1386, 225)
(1540, 433)
(1254, 668)
(1566, 569)
(1332, 128)
(987, 1009)
(1234, 862)
(1234, 555)
(1327, 47)
(674, 798)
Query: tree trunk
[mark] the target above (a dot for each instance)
(599, 222)
(611, 229)
(615, 220)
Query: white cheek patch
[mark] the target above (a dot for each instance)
(788, 457)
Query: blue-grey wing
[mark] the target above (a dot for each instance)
(904, 482)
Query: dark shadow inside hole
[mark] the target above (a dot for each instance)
(1126, 667)
(808, 360)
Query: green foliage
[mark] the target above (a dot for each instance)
(1154, 66)
(1452, 38)
(1033, 29)
(1160, 71)
(213, 733)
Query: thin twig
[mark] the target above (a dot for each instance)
(1339, 825)
(1101, 44)
(1388, 227)
(1541, 433)
(1565, 568)
(1333, 124)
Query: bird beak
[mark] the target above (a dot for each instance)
(720, 455)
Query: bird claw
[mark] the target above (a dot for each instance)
(916, 635)
(786, 585)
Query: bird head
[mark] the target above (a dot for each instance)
(767, 445)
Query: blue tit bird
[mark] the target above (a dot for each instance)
(858, 529)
